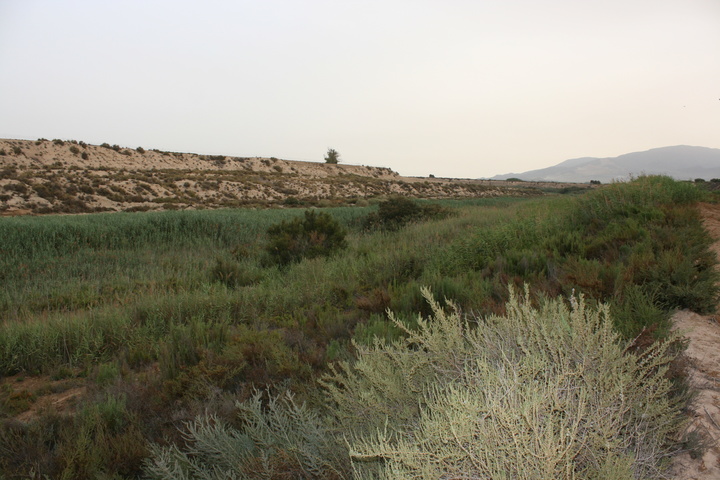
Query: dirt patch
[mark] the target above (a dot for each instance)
(703, 334)
(27, 397)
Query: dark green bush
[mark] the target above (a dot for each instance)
(398, 211)
(314, 235)
(332, 156)
(232, 274)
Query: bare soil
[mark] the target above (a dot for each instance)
(41, 394)
(703, 335)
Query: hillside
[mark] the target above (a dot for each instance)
(56, 176)
(681, 162)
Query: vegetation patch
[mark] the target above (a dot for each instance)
(314, 235)
(165, 317)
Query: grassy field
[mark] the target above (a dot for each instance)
(163, 315)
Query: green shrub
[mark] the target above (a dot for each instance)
(74, 150)
(398, 211)
(281, 438)
(332, 156)
(233, 274)
(106, 373)
(102, 438)
(314, 235)
(537, 393)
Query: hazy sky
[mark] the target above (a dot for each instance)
(447, 87)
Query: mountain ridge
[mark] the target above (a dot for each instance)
(682, 162)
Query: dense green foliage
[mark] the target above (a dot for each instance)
(332, 156)
(315, 235)
(177, 313)
(395, 212)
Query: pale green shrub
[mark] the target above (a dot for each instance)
(544, 393)
(282, 439)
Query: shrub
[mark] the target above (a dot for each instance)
(17, 150)
(280, 439)
(397, 211)
(140, 150)
(508, 397)
(314, 235)
(74, 150)
(233, 274)
(332, 156)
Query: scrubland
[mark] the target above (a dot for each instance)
(67, 176)
(505, 337)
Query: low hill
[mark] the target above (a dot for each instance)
(56, 176)
(681, 162)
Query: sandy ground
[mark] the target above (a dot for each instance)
(703, 334)
(57, 176)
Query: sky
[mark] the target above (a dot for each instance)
(453, 88)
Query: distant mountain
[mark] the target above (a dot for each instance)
(681, 162)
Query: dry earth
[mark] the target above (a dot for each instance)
(56, 176)
(703, 334)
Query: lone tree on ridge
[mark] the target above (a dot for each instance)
(332, 156)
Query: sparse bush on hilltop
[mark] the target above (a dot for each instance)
(314, 235)
(332, 156)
